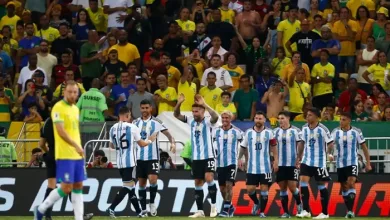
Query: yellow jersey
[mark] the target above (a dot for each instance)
(348, 48)
(227, 15)
(376, 109)
(127, 53)
(211, 96)
(9, 21)
(68, 115)
(289, 29)
(327, 15)
(317, 31)
(363, 32)
(49, 34)
(353, 5)
(230, 107)
(186, 25)
(278, 65)
(189, 91)
(289, 69)
(59, 92)
(99, 19)
(173, 76)
(322, 71)
(378, 73)
(169, 94)
(298, 94)
(13, 45)
(235, 74)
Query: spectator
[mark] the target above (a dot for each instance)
(216, 49)
(379, 109)
(234, 70)
(378, 28)
(224, 81)
(303, 14)
(245, 99)
(33, 116)
(329, 113)
(100, 160)
(36, 160)
(299, 92)
(365, 27)
(63, 43)
(113, 64)
(228, 14)
(368, 106)
(263, 80)
(157, 47)
(380, 72)
(365, 58)
(121, 92)
(28, 97)
(173, 73)
(317, 24)
(199, 40)
(347, 97)
(111, 40)
(345, 31)
(10, 18)
(261, 7)
(58, 72)
(280, 61)
(76, 5)
(211, 93)
(46, 32)
(173, 42)
(354, 6)
(27, 72)
(271, 21)
(90, 59)
(110, 81)
(305, 109)
(248, 22)
(303, 39)
(46, 61)
(82, 27)
(199, 64)
(7, 151)
(134, 101)
(157, 68)
(287, 28)
(127, 52)
(314, 10)
(6, 61)
(226, 105)
(10, 46)
(358, 113)
(296, 62)
(19, 33)
(187, 87)
(54, 13)
(236, 6)
(275, 98)
(253, 53)
(37, 8)
(69, 76)
(386, 116)
(223, 29)
(383, 44)
(376, 90)
(6, 102)
(165, 97)
(117, 12)
(43, 91)
(335, 17)
(28, 45)
(321, 77)
(97, 16)
(199, 13)
(26, 18)
(341, 87)
(187, 26)
(166, 162)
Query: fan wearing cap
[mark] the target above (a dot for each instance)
(287, 28)
(378, 28)
(100, 160)
(26, 18)
(7, 150)
(54, 13)
(11, 18)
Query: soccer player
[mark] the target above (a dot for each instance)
(122, 137)
(148, 158)
(316, 138)
(256, 146)
(347, 140)
(226, 140)
(288, 138)
(203, 156)
(69, 155)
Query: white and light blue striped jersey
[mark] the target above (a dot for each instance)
(347, 145)
(316, 141)
(123, 136)
(201, 138)
(258, 145)
(287, 145)
(147, 128)
(226, 143)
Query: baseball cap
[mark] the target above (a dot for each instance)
(10, 3)
(99, 153)
(113, 51)
(57, 7)
(383, 10)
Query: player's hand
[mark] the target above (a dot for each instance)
(199, 100)
(276, 166)
(298, 163)
(368, 167)
(330, 157)
(173, 148)
(153, 137)
(80, 151)
(241, 165)
(181, 98)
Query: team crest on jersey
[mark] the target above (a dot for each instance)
(56, 116)
(297, 29)
(167, 96)
(225, 136)
(215, 97)
(66, 176)
(344, 137)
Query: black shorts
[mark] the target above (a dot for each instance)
(147, 167)
(256, 179)
(345, 172)
(201, 167)
(287, 173)
(50, 166)
(319, 173)
(127, 174)
(226, 174)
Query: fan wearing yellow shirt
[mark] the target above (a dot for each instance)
(378, 72)
(299, 92)
(10, 46)
(287, 28)
(353, 5)
(127, 52)
(11, 18)
(280, 61)
(173, 73)
(165, 97)
(321, 77)
(234, 70)
(46, 32)
(187, 87)
(211, 93)
(98, 18)
(228, 14)
(69, 154)
(187, 26)
(329, 113)
(302, 117)
(314, 10)
(226, 105)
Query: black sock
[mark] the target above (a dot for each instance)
(48, 211)
(284, 200)
(153, 192)
(264, 201)
(324, 200)
(254, 198)
(142, 198)
(213, 192)
(345, 197)
(351, 199)
(226, 205)
(134, 200)
(199, 195)
(305, 198)
(297, 196)
(119, 197)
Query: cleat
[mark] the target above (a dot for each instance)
(304, 214)
(255, 209)
(350, 215)
(111, 213)
(37, 214)
(88, 216)
(213, 211)
(285, 215)
(262, 215)
(143, 214)
(198, 214)
(299, 208)
(231, 211)
(321, 216)
(153, 209)
(224, 214)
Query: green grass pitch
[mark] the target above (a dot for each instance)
(172, 218)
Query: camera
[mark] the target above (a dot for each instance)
(104, 160)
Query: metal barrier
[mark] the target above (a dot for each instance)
(16, 143)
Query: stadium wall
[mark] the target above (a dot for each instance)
(22, 189)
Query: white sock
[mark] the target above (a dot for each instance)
(53, 197)
(78, 204)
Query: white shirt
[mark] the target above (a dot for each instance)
(305, 4)
(226, 143)
(221, 52)
(113, 17)
(236, 6)
(47, 63)
(84, 3)
(223, 77)
(287, 145)
(26, 74)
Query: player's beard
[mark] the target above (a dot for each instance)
(259, 125)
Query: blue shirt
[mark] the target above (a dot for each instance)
(319, 44)
(26, 101)
(262, 87)
(82, 31)
(7, 62)
(116, 92)
(26, 43)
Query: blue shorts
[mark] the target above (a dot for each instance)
(71, 171)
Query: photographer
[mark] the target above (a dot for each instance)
(166, 161)
(36, 160)
(100, 160)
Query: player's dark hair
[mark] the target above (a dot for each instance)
(226, 93)
(36, 150)
(331, 105)
(198, 106)
(124, 110)
(140, 79)
(145, 102)
(315, 111)
(246, 76)
(211, 73)
(305, 12)
(261, 113)
(317, 16)
(346, 114)
(285, 114)
(324, 50)
(28, 81)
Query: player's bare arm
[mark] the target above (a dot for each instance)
(214, 115)
(42, 145)
(176, 110)
(65, 136)
(243, 152)
(171, 140)
(366, 153)
(274, 150)
(299, 158)
(150, 140)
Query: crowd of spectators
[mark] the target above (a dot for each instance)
(240, 55)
